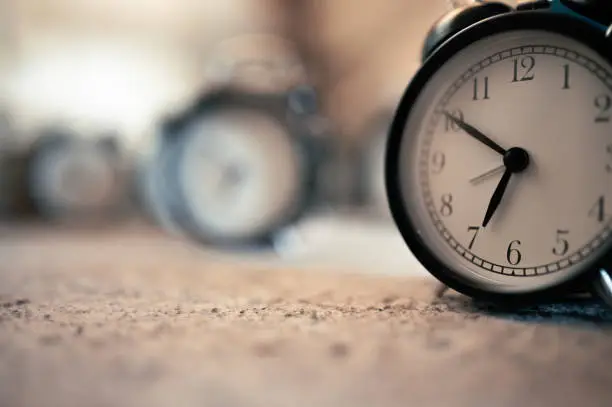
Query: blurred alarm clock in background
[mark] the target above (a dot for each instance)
(499, 161)
(77, 179)
(244, 162)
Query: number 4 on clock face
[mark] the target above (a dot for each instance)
(598, 211)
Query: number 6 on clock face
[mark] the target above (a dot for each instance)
(500, 156)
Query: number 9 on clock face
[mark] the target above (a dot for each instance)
(499, 163)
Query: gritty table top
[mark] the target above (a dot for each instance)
(132, 318)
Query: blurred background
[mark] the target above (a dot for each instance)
(123, 64)
(100, 80)
(173, 176)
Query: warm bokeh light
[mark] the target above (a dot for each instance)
(106, 84)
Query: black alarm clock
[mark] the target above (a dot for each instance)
(73, 179)
(236, 169)
(248, 157)
(499, 159)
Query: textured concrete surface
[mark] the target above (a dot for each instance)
(132, 319)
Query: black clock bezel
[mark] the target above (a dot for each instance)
(518, 20)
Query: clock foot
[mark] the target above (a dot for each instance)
(603, 286)
(441, 290)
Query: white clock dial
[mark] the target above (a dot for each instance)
(240, 173)
(542, 92)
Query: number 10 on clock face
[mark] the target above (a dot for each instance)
(503, 165)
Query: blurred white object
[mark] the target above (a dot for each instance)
(353, 242)
(335, 242)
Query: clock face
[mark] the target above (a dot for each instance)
(240, 174)
(505, 162)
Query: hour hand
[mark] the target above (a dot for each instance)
(516, 160)
(475, 133)
(496, 199)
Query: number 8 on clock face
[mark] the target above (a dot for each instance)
(499, 162)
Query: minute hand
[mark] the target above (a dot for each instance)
(477, 134)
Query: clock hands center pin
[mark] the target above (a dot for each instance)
(516, 159)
